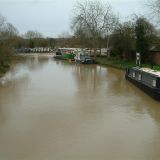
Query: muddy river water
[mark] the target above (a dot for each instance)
(54, 110)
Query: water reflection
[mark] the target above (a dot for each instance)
(59, 110)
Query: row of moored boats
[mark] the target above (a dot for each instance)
(146, 79)
(76, 55)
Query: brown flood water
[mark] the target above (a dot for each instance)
(53, 110)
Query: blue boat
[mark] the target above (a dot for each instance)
(84, 58)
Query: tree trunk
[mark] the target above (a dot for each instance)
(108, 40)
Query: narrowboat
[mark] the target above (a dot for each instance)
(146, 79)
(68, 56)
(64, 54)
(58, 55)
(84, 58)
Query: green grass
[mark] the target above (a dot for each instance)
(3, 69)
(120, 64)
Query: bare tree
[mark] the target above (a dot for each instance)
(154, 6)
(95, 19)
(34, 38)
(7, 30)
(2, 20)
(33, 34)
(64, 34)
(64, 39)
(8, 36)
(10, 31)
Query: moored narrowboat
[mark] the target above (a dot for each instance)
(64, 54)
(146, 79)
(58, 54)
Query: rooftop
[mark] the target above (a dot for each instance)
(148, 70)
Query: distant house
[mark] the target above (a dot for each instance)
(156, 56)
(105, 51)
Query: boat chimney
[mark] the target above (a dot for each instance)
(138, 59)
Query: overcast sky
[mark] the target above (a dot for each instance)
(52, 17)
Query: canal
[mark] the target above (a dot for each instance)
(54, 110)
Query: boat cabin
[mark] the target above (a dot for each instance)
(83, 57)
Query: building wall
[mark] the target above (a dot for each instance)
(157, 58)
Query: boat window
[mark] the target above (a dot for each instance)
(139, 77)
(134, 74)
(154, 83)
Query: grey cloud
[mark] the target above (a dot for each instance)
(14, 2)
(52, 17)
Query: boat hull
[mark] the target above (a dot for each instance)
(59, 57)
(85, 62)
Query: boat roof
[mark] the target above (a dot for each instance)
(148, 70)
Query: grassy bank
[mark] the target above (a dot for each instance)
(7, 63)
(3, 69)
(120, 64)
